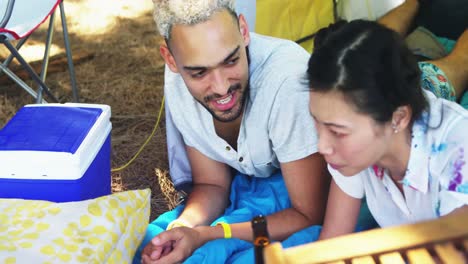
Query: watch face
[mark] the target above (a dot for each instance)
(259, 219)
(259, 226)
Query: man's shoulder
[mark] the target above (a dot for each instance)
(255, 37)
(274, 60)
(267, 48)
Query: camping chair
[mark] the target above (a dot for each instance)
(443, 240)
(18, 19)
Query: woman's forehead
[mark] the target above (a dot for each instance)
(334, 107)
(329, 101)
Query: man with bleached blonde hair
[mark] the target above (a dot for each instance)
(240, 103)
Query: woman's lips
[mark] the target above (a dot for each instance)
(335, 166)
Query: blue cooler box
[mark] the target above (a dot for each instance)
(56, 152)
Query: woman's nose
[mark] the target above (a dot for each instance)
(324, 145)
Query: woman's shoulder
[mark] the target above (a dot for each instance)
(444, 117)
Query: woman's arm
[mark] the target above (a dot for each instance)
(341, 215)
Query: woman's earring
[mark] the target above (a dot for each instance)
(395, 128)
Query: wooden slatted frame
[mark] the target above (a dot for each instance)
(444, 239)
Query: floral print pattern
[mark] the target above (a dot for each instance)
(434, 80)
(457, 177)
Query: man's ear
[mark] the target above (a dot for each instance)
(168, 58)
(244, 29)
(402, 117)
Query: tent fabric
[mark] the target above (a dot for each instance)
(293, 20)
(365, 9)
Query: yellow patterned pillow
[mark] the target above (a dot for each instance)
(102, 230)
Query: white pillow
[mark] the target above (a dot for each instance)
(102, 230)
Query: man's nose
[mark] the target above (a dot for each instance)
(219, 82)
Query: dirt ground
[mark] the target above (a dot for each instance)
(126, 72)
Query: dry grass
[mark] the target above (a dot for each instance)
(125, 73)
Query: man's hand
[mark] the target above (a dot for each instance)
(152, 252)
(172, 246)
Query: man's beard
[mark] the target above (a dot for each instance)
(233, 113)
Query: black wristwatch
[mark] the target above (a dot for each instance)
(261, 237)
(260, 231)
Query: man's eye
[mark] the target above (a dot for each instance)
(198, 74)
(232, 62)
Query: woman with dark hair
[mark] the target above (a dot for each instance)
(384, 137)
